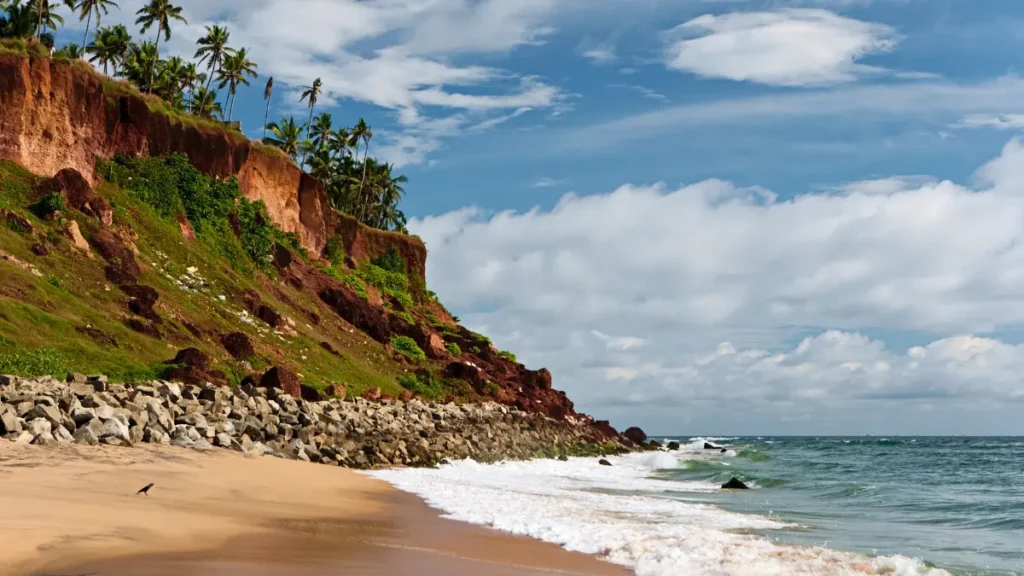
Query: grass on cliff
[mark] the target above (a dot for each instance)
(62, 314)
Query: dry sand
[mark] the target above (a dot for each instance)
(73, 510)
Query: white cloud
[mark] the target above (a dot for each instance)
(642, 90)
(792, 47)
(601, 55)
(687, 269)
(547, 183)
(396, 54)
(997, 121)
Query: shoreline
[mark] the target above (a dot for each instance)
(73, 510)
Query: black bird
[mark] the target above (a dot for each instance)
(145, 489)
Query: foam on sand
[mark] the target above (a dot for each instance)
(621, 513)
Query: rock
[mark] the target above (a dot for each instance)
(192, 357)
(373, 394)
(673, 445)
(9, 423)
(724, 450)
(122, 267)
(190, 366)
(563, 458)
(38, 426)
(41, 249)
(85, 435)
(17, 222)
(44, 439)
(735, 484)
(186, 228)
(405, 396)
(604, 462)
(336, 391)
(74, 234)
(141, 300)
(635, 435)
(268, 315)
(114, 429)
(25, 437)
(278, 378)
(77, 194)
(238, 345)
(282, 256)
(75, 378)
(655, 444)
(710, 446)
(49, 413)
(310, 394)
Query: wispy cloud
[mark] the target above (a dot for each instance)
(642, 90)
(931, 100)
(997, 121)
(547, 183)
(604, 55)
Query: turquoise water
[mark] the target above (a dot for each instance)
(957, 502)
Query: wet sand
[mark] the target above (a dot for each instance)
(73, 511)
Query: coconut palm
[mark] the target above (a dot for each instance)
(341, 143)
(203, 105)
(191, 76)
(158, 13)
(362, 131)
(18, 20)
(312, 93)
(212, 49)
(70, 51)
(268, 91)
(102, 48)
(233, 72)
(46, 18)
(88, 8)
(138, 63)
(322, 131)
(171, 79)
(285, 136)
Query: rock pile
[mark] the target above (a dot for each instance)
(355, 433)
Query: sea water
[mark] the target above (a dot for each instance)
(818, 506)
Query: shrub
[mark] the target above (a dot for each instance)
(257, 234)
(431, 387)
(48, 204)
(334, 252)
(508, 356)
(390, 261)
(405, 316)
(355, 283)
(453, 349)
(17, 361)
(408, 347)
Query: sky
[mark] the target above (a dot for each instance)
(727, 217)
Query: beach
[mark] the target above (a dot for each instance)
(74, 510)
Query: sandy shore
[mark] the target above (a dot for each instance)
(73, 510)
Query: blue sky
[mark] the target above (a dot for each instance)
(809, 207)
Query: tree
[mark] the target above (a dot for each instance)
(109, 46)
(268, 91)
(138, 64)
(285, 136)
(234, 71)
(362, 131)
(158, 13)
(70, 51)
(203, 105)
(88, 8)
(312, 93)
(323, 132)
(190, 77)
(18, 20)
(213, 48)
(45, 17)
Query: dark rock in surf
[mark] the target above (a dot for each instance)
(604, 462)
(724, 451)
(710, 446)
(636, 435)
(735, 484)
(655, 444)
(673, 445)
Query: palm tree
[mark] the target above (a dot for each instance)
(363, 131)
(45, 18)
(158, 13)
(87, 8)
(323, 132)
(234, 71)
(171, 81)
(190, 76)
(268, 91)
(342, 139)
(70, 51)
(203, 105)
(213, 48)
(18, 20)
(102, 48)
(285, 136)
(137, 64)
(312, 93)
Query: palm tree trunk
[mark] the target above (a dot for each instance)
(85, 40)
(266, 117)
(362, 182)
(152, 67)
(209, 82)
(231, 107)
(309, 125)
(39, 25)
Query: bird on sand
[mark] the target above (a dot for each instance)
(145, 489)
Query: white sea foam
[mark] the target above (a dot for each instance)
(623, 514)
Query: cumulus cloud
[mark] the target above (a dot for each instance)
(791, 47)
(686, 270)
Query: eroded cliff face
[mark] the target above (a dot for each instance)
(56, 115)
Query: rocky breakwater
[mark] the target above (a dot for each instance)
(355, 433)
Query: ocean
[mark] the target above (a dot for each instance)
(897, 506)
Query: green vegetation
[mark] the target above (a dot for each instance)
(48, 204)
(356, 283)
(174, 188)
(429, 386)
(333, 251)
(508, 356)
(388, 276)
(408, 348)
(453, 349)
(189, 93)
(38, 362)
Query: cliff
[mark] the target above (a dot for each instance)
(56, 115)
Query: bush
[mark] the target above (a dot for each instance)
(430, 387)
(334, 252)
(390, 261)
(390, 283)
(408, 347)
(257, 234)
(48, 204)
(355, 283)
(453, 349)
(508, 356)
(17, 361)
